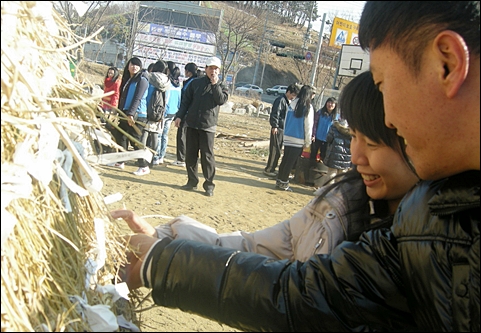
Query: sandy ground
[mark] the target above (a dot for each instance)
(244, 199)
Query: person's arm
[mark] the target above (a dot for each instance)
(186, 100)
(274, 241)
(308, 121)
(316, 122)
(220, 93)
(359, 283)
(275, 112)
(114, 98)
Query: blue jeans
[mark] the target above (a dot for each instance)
(164, 136)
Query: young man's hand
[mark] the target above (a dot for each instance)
(136, 223)
(138, 246)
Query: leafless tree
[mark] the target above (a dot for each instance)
(86, 23)
(239, 31)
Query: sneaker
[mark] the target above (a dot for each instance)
(142, 171)
(286, 189)
(156, 162)
(178, 163)
(270, 174)
(119, 165)
(283, 186)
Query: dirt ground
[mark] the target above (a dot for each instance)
(244, 199)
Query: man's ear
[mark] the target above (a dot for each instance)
(453, 53)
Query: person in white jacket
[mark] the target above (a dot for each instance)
(338, 212)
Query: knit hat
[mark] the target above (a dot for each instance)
(136, 61)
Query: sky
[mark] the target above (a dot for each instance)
(348, 10)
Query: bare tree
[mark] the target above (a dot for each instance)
(83, 23)
(239, 31)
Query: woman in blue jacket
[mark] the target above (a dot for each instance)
(297, 134)
(133, 102)
(323, 120)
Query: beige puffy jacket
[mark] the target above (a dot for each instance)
(315, 229)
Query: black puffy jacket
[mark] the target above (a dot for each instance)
(422, 274)
(338, 152)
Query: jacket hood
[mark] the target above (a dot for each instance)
(342, 127)
(158, 80)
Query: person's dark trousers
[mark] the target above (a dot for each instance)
(140, 123)
(180, 142)
(275, 149)
(123, 141)
(315, 147)
(323, 148)
(198, 140)
(288, 162)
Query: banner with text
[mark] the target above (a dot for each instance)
(176, 32)
(169, 43)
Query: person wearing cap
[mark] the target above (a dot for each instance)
(199, 109)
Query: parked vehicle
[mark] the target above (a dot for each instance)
(250, 88)
(240, 84)
(276, 90)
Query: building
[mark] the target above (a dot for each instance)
(178, 31)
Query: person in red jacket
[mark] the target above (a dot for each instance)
(111, 83)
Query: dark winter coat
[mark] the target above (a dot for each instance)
(200, 103)
(277, 117)
(422, 273)
(338, 153)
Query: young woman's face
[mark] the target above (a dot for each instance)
(133, 69)
(384, 171)
(330, 106)
(110, 73)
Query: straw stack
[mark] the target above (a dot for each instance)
(59, 243)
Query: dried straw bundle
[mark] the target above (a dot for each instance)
(58, 239)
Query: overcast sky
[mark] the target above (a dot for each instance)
(349, 10)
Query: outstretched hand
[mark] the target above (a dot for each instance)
(140, 245)
(136, 223)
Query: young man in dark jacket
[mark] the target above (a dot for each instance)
(277, 119)
(423, 273)
(199, 109)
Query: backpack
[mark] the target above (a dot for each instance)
(155, 112)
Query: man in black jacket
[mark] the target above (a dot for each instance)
(423, 273)
(199, 109)
(277, 119)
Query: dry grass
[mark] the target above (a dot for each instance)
(54, 220)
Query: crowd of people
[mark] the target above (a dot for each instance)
(392, 244)
(150, 100)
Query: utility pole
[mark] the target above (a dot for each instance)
(318, 50)
(260, 48)
(133, 31)
(306, 37)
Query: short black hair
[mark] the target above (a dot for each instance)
(408, 26)
(293, 89)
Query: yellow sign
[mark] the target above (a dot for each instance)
(344, 32)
